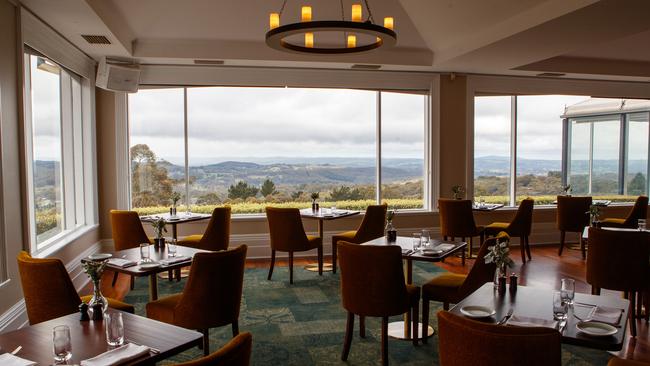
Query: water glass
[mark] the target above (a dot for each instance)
(417, 241)
(568, 290)
(333, 209)
(426, 238)
(62, 344)
(144, 252)
(481, 202)
(114, 329)
(642, 223)
(171, 248)
(560, 307)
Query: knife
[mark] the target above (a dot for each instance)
(506, 317)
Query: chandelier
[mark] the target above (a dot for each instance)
(278, 35)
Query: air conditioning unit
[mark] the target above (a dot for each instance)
(119, 76)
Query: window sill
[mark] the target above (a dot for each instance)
(554, 207)
(262, 217)
(61, 240)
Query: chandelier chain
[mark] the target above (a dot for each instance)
(370, 17)
(345, 36)
(282, 8)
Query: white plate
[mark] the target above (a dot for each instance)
(99, 256)
(596, 329)
(430, 251)
(150, 265)
(477, 311)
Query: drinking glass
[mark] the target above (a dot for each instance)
(642, 224)
(144, 252)
(417, 241)
(114, 329)
(333, 209)
(560, 307)
(481, 202)
(62, 344)
(426, 238)
(568, 290)
(171, 248)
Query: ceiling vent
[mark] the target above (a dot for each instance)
(551, 74)
(94, 39)
(366, 67)
(208, 62)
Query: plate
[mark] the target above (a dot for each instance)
(430, 251)
(99, 256)
(477, 311)
(149, 265)
(596, 329)
(175, 218)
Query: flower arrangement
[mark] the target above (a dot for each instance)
(314, 196)
(499, 254)
(566, 189)
(458, 191)
(175, 197)
(594, 214)
(94, 269)
(390, 215)
(159, 226)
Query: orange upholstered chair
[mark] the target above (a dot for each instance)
(615, 361)
(451, 288)
(572, 216)
(216, 235)
(127, 233)
(237, 352)
(618, 260)
(288, 235)
(48, 289)
(372, 284)
(639, 211)
(520, 226)
(372, 227)
(211, 297)
(457, 221)
(466, 342)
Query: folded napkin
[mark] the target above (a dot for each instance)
(525, 321)
(121, 262)
(117, 356)
(443, 247)
(173, 260)
(7, 359)
(605, 314)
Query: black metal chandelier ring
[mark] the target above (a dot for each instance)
(275, 38)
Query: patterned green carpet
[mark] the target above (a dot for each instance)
(304, 323)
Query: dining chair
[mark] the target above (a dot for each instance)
(217, 233)
(127, 233)
(638, 211)
(520, 226)
(572, 216)
(451, 288)
(372, 284)
(615, 361)
(618, 260)
(467, 342)
(288, 235)
(237, 352)
(211, 297)
(49, 292)
(457, 221)
(372, 227)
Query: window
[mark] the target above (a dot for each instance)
(56, 146)
(252, 147)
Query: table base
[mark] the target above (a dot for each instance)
(327, 267)
(396, 330)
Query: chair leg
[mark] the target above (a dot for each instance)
(320, 260)
(177, 273)
(384, 341)
(115, 274)
(646, 304)
(334, 256)
(291, 268)
(469, 247)
(272, 264)
(206, 342)
(235, 328)
(522, 246)
(462, 258)
(425, 318)
(582, 248)
(362, 326)
(527, 247)
(639, 305)
(416, 321)
(561, 242)
(347, 341)
(170, 275)
(631, 311)
(132, 282)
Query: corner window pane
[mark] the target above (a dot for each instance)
(636, 165)
(579, 158)
(605, 169)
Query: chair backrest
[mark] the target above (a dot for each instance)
(618, 259)
(456, 218)
(522, 223)
(237, 352)
(481, 272)
(372, 226)
(47, 288)
(372, 279)
(212, 294)
(127, 230)
(615, 361)
(466, 342)
(572, 213)
(639, 211)
(286, 230)
(217, 234)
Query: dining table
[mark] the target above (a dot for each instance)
(437, 251)
(175, 220)
(322, 215)
(88, 339)
(537, 303)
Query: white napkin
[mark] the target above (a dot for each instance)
(605, 314)
(116, 356)
(121, 262)
(172, 260)
(7, 359)
(525, 321)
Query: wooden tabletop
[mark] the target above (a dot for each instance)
(538, 303)
(326, 214)
(89, 339)
(585, 231)
(406, 243)
(155, 255)
(487, 207)
(178, 219)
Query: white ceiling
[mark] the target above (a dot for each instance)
(606, 39)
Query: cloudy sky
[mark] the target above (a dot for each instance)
(46, 114)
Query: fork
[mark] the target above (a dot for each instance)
(16, 350)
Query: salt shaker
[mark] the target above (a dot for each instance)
(97, 312)
(513, 282)
(83, 309)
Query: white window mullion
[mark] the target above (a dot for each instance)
(378, 148)
(513, 150)
(29, 152)
(187, 158)
(78, 155)
(67, 152)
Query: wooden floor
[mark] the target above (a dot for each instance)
(545, 270)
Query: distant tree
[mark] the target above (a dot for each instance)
(296, 195)
(554, 174)
(150, 182)
(268, 188)
(241, 190)
(636, 185)
(344, 193)
(209, 199)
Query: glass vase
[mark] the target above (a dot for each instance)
(500, 271)
(390, 232)
(97, 298)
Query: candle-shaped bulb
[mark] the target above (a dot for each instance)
(306, 13)
(356, 12)
(274, 20)
(352, 41)
(389, 23)
(309, 40)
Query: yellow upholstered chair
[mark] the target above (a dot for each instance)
(457, 221)
(467, 342)
(451, 288)
(639, 211)
(127, 233)
(572, 216)
(372, 284)
(615, 361)
(618, 260)
(217, 233)
(48, 289)
(520, 226)
(211, 297)
(372, 227)
(288, 235)
(237, 352)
